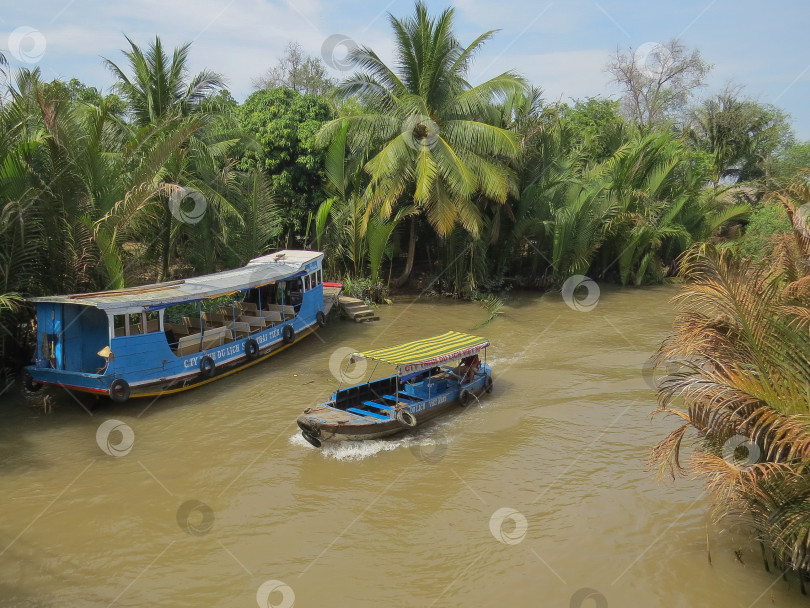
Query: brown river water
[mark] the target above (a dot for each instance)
(536, 496)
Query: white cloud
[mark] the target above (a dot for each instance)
(562, 74)
(544, 16)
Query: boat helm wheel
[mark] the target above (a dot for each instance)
(288, 333)
(29, 382)
(314, 441)
(488, 384)
(251, 349)
(321, 318)
(119, 390)
(464, 397)
(405, 418)
(207, 367)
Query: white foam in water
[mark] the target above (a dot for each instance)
(360, 450)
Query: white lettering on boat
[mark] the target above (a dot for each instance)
(233, 349)
(413, 367)
(428, 404)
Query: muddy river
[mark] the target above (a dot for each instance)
(536, 496)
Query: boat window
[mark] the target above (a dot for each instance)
(295, 291)
(119, 325)
(152, 322)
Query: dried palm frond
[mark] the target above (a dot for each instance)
(742, 341)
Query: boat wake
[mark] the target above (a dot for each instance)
(428, 445)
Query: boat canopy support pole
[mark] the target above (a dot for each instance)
(340, 383)
(202, 326)
(371, 375)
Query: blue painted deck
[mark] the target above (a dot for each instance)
(420, 396)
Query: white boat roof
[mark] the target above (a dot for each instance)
(259, 271)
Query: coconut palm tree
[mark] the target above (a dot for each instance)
(159, 90)
(158, 85)
(425, 128)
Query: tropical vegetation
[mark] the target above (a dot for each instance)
(407, 175)
(739, 361)
(412, 174)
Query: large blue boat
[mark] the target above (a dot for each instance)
(433, 375)
(167, 337)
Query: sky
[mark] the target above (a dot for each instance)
(560, 46)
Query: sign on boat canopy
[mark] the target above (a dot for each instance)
(423, 354)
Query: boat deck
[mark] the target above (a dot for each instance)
(330, 297)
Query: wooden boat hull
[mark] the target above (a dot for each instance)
(326, 423)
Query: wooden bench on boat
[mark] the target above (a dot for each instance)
(178, 329)
(287, 312)
(216, 336)
(241, 329)
(276, 312)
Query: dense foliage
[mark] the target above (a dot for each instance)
(397, 171)
(284, 124)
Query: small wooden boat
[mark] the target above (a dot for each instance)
(433, 376)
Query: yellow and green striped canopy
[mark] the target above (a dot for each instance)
(424, 354)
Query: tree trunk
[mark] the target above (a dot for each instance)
(166, 237)
(406, 274)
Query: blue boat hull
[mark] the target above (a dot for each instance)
(383, 413)
(170, 374)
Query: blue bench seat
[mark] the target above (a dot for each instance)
(378, 405)
(354, 410)
(402, 397)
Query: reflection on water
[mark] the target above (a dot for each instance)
(536, 496)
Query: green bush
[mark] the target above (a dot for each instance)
(365, 289)
(768, 220)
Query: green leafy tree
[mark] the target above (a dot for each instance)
(284, 124)
(793, 159)
(766, 222)
(75, 90)
(158, 89)
(597, 125)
